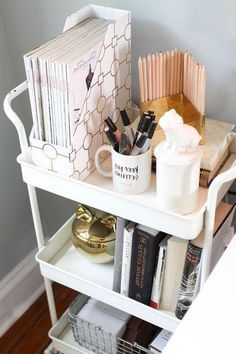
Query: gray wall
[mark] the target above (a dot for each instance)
(13, 198)
(206, 28)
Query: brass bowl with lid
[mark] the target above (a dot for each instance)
(94, 232)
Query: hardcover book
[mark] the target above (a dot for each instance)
(159, 274)
(120, 226)
(140, 332)
(218, 138)
(175, 259)
(189, 279)
(105, 89)
(126, 258)
(216, 150)
(143, 260)
(206, 176)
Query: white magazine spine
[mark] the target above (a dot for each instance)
(158, 278)
(126, 261)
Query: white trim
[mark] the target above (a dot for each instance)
(49, 349)
(18, 291)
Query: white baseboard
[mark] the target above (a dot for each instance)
(18, 291)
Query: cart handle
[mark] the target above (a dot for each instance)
(11, 114)
(212, 200)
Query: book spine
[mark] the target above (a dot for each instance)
(126, 260)
(58, 105)
(144, 249)
(38, 97)
(120, 226)
(51, 99)
(30, 81)
(204, 178)
(65, 110)
(189, 280)
(158, 279)
(44, 99)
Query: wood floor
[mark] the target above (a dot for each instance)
(29, 335)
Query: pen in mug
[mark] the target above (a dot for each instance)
(150, 121)
(141, 128)
(124, 147)
(150, 116)
(147, 123)
(150, 134)
(111, 125)
(136, 150)
(153, 117)
(128, 128)
(112, 138)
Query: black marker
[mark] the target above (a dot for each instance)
(112, 138)
(150, 119)
(111, 125)
(150, 134)
(139, 144)
(128, 128)
(153, 117)
(141, 128)
(147, 123)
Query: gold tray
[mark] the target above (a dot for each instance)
(182, 106)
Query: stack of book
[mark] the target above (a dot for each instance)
(217, 155)
(160, 270)
(75, 81)
(215, 150)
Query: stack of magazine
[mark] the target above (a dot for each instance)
(59, 75)
(75, 81)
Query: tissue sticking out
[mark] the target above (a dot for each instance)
(179, 136)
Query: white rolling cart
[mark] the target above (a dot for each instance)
(60, 262)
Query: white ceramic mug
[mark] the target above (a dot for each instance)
(130, 174)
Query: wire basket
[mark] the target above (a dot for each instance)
(95, 338)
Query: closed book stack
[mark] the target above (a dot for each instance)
(143, 259)
(75, 81)
(215, 150)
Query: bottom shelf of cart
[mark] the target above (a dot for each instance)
(61, 262)
(63, 339)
